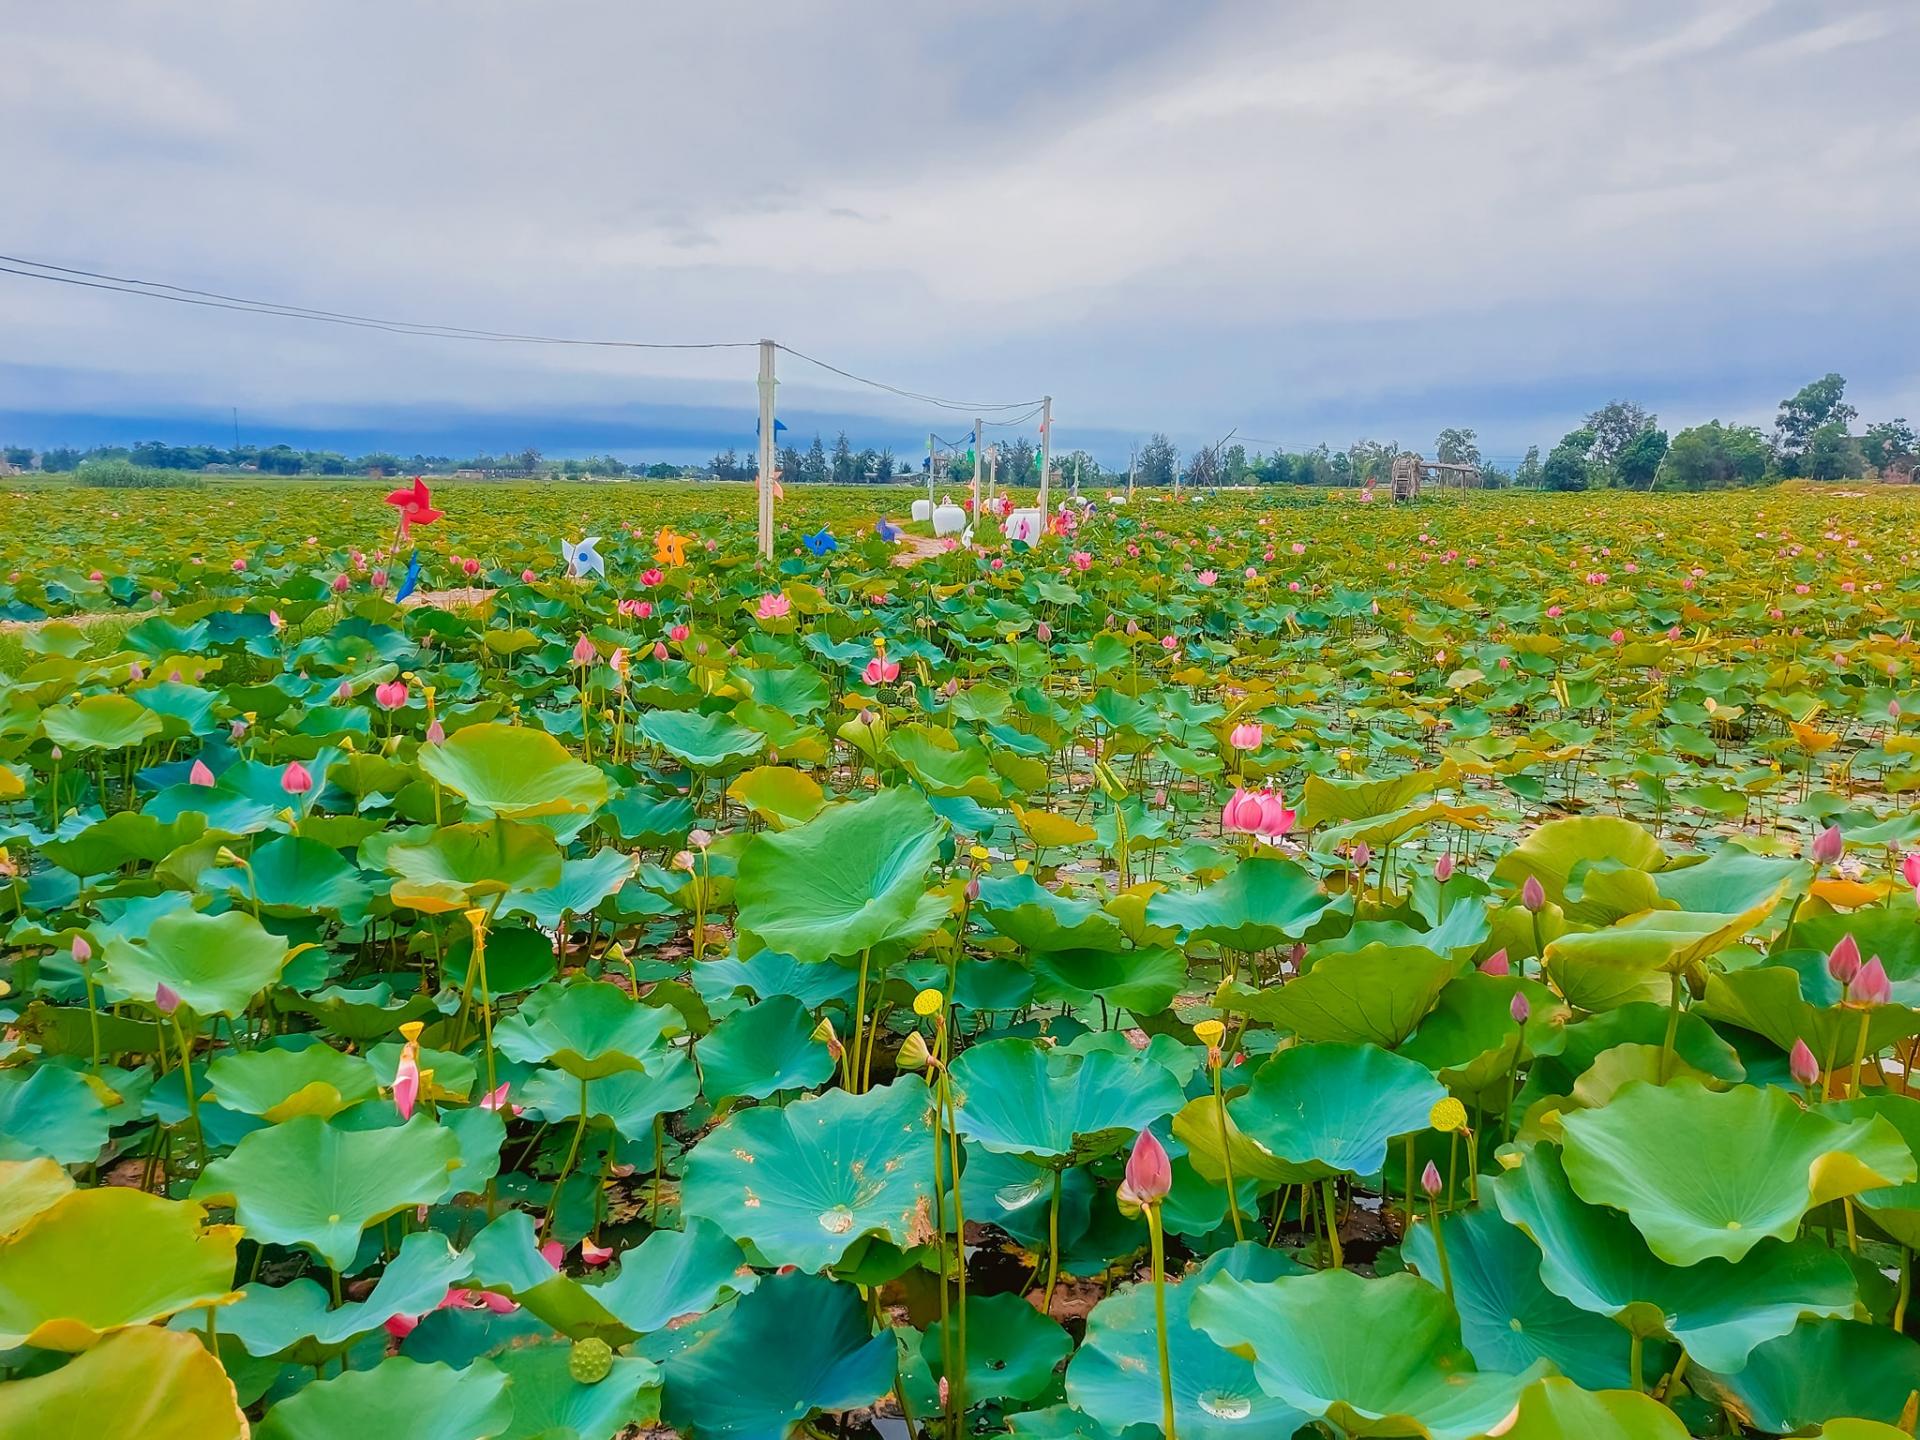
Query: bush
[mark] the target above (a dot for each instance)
(124, 475)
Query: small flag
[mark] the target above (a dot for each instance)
(778, 425)
(413, 578)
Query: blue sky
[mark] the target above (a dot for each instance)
(1312, 221)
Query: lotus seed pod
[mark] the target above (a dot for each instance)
(591, 1361)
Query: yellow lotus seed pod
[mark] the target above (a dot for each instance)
(1448, 1115)
(1209, 1032)
(928, 1002)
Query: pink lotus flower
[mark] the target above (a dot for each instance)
(1247, 735)
(1843, 962)
(392, 695)
(677, 633)
(436, 733)
(296, 779)
(527, 576)
(1149, 1174)
(406, 1083)
(379, 578)
(1043, 632)
(472, 567)
(340, 583)
(1910, 868)
(1871, 986)
(583, 651)
(1362, 856)
(592, 1254)
(1802, 1066)
(1443, 868)
(1519, 1009)
(199, 774)
(496, 1100)
(659, 650)
(1533, 895)
(1619, 637)
(239, 565)
(774, 605)
(1082, 560)
(1168, 643)
(1430, 1180)
(1206, 577)
(273, 619)
(1828, 846)
(881, 671)
(1496, 964)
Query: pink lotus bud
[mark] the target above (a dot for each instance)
(659, 650)
(392, 695)
(677, 633)
(1430, 1180)
(1910, 868)
(1496, 964)
(296, 779)
(1828, 846)
(583, 651)
(239, 566)
(1844, 961)
(1149, 1171)
(1362, 855)
(436, 733)
(1443, 868)
(237, 728)
(973, 888)
(1043, 632)
(1619, 637)
(340, 583)
(1533, 895)
(406, 1083)
(1247, 735)
(1519, 1009)
(1871, 986)
(1803, 1066)
(165, 998)
(379, 578)
(527, 576)
(82, 951)
(472, 567)
(136, 672)
(343, 692)
(199, 774)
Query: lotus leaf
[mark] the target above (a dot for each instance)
(216, 964)
(399, 1399)
(1016, 1098)
(156, 1384)
(514, 772)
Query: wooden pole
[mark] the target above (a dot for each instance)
(979, 459)
(1046, 453)
(766, 449)
(930, 499)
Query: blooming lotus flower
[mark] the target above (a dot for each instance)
(1206, 577)
(296, 779)
(1803, 1067)
(1242, 813)
(199, 774)
(392, 695)
(774, 605)
(1082, 560)
(1828, 846)
(1247, 735)
(1533, 895)
(1149, 1174)
(881, 671)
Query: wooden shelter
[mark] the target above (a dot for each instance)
(1411, 474)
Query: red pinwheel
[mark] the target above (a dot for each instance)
(415, 504)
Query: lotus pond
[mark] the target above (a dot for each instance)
(1278, 964)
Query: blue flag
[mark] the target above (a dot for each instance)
(413, 578)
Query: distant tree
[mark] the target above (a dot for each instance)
(1203, 466)
(1529, 472)
(883, 466)
(1493, 477)
(1615, 426)
(1889, 446)
(1832, 454)
(18, 456)
(1334, 468)
(1158, 459)
(1020, 463)
(1636, 466)
(660, 470)
(379, 460)
(1371, 459)
(1456, 447)
(1714, 457)
(863, 464)
(527, 461)
(60, 459)
(1567, 466)
(813, 470)
(726, 465)
(789, 464)
(843, 464)
(1820, 403)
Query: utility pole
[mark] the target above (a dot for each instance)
(979, 460)
(1076, 477)
(1133, 464)
(930, 438)
(993, 473)
(1046, 453)
(766, 449)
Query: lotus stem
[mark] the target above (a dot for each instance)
(1332, 1212)
(852, 1053)
(1859, 1053)
(1634, 1347)
(659, 1161)
(1406, 1228)
(1446, 1270)
(1906, 1288)
(93, 1015)
(1053, 1243)
(186, 1072)
(957, 1379)
(1673, 1027)
(1158, 1242)
(573, 1154)
(1226, 1151)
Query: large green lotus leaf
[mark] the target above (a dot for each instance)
(1771, 1000)
(703, 742)
(398, 1399)
(1591, 967)
(27, 1188)
(1012, 1349)
(481, 1134)
(504, 1258)
(99, 1260)
(1143, 981)
(1895, 1209)
(1326, 799)
(514, 772)
(1508, 1318)
(779, 794)
(942, 765)
(549, 1404)
(1036, 919)
(1016, 1196)
(1019, 1097)
(675, 1273)
(1369, 1357)
(458, 864)
(755, 1369)
(51, 1112)
(1822, 1370)
(1332, 1109)
(362, 1013)
(1470, 1040)
(120, 839)
(805, 1183)
(295, 1320)
(293, 875)
(1259, 904)
(310, 1182)
(1704, 1173)
(100, 722)
(216, 964)
(1197, 1126)
(590, 1029)
(631, 1099)
(153, 1384)
(1064, 1422)
(763, 1048)
(1731, 880)
(1115, 1374)
(1556, 1408)
(280, 1084)
(519, 957)
(1561, 853)
(796, 689)
(583, 885)
(851, 879)
(1374, 996)
(1718, 1309)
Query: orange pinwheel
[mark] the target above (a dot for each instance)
(669, 547)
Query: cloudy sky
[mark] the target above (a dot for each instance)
(1313, 221)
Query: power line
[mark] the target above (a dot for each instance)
(965, 406)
